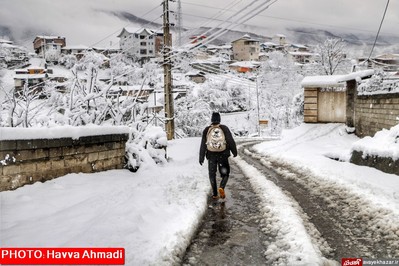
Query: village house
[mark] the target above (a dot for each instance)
(388, 62)
(224, 51)
(280, 39)
(271, 47)
(35, 75)
(49, 47)
(244, 66)
(197, 77)
(13, 55)
(246, 49)
(142, 45)
(77, 50)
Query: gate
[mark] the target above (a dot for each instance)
(331, 106)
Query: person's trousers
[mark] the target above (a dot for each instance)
(221, 163)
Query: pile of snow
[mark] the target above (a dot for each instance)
(152, 213)
(12, 133)
(385, 143)
(146, 147)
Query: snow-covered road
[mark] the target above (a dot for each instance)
(154, 213)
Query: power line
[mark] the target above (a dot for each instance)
(378, 32)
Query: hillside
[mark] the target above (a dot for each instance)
(302, 35)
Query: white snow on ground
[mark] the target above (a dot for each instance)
(310, 146)
(153, 213)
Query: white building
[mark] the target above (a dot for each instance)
(140, 44)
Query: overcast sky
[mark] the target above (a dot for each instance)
(81, 21)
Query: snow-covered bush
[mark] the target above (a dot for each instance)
(146, 147)
(69, 60)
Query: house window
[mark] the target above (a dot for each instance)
(150, 37)
(143, 51)
(136, 36)
(142, 37)
(143, 43)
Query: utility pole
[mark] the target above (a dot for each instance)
(167, 74)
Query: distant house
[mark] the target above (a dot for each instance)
(279, 39)
(197, 77)
(271, 47)
(49, 47)
(136, 91)
(35, 75)
(143, 44)
(388, 62)
(304, 57)
(76, 50)
(12, 55)
(107, 51)
(224, 51)
(244, 66)
(246, 49)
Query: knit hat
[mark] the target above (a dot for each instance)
(215, 118)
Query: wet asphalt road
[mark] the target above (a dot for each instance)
(230, 233)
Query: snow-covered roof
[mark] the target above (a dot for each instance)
(76, 47)
(247, 38)
(195, 73)
(334, 80)
(270, 44)
(303, 53)
(249, 64)
(130, 88)
(29, 76)
(5, 41)
(299, 45)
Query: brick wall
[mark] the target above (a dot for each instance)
(28, 161)
(375, 112)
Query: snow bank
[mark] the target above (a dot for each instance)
(152, 213)
(12, 133)
(385, 143)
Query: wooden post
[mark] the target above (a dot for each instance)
(167, 67)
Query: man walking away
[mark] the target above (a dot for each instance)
(216, 144)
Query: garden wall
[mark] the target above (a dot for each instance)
(385, 164)
(375, 112)
(25, 161)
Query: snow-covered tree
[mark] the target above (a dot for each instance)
(279, 92)
(332, 56)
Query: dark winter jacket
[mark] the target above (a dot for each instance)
(230, 145)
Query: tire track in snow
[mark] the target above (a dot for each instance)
(350, 224)
(292, 240)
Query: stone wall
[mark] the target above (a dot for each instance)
(375, 112)
(385, 164)
(28, 161)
